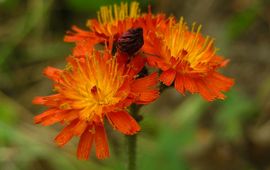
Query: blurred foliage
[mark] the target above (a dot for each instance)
(233, 114)
(239, 22)
(8, 5)
(178, 132)
(86, 6)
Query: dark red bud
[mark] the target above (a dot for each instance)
(131, 41)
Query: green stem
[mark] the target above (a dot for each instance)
(132, 144)
(132, 140)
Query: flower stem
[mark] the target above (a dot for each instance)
(132, 140)
(132, 144)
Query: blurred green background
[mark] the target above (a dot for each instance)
(179, 133)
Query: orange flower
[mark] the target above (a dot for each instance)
(113, 21)
(93, 87)
(189, 60)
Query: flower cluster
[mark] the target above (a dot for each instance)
(103, 84)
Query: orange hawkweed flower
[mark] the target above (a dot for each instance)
(91, 88)
(113, 21)
(189, 60)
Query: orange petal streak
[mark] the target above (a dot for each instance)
(102, 148)
(39, 118)
(145, 89)
(52, 73)
(179, 85)
(157, 62)
(136, 65)
(85, 145)
(80, 127)
(58, 116)
(167, 77)
(210, 87)
(190, 85)
(66, 134)
(145, 83)
(78, 34)
(123, 122)
(52, 100)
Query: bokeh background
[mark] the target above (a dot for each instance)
(179, 132)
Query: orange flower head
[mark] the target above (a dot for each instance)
(91, 88)
(189, 60)
(113, 22)
(115, 19)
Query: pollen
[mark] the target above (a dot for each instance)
(112, 14)
(95, 84)
(189, 46)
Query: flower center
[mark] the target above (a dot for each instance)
(189, 47)
(102, 98)
(94, 85)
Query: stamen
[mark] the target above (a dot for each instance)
(94, 90)
(111, 14)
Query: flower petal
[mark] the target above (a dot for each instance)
(78, 34)
(66, 134)
(58, 116)
(39, 118)
(213, 85)
(51, 101)
(85, 145)
(167, 77)
(102, 148)
(144, 89)
(157, 62)
(123, 122)
(179, 85)
(80, 127)
(209, 87)
(190, 84)
(145, 83)
(136, 65)
(52, 73)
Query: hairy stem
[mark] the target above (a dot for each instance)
(132, 144)
(132, 140)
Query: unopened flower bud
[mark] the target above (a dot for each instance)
(131, 41)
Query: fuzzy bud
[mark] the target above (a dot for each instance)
(131, 41)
